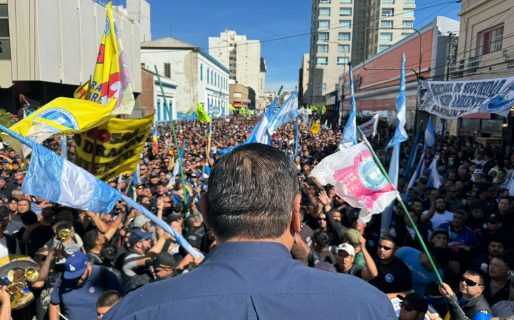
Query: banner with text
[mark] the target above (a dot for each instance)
(114, 147)
(454, 99)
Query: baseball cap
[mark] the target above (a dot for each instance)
(137, 235)
(164, 260)
(415, 301)
(353, 235)
(75, 265)
(173, 217)
(346, 247)
(140, 221)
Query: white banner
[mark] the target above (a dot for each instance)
(454, 99)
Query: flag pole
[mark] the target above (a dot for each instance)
(402, 205)
(174, 135)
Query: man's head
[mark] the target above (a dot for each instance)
(472, 284)
(439, 238)
(23, 206)
(459, 219)
(77, 269)
(495, 247)
(253, 194)
(504, 205)
(106, 301)
(140, 241)
(413, 307)
(499, 268)
(163, 265)
(142, 222)
(345, 256)
(386, 248)
(93, 238)
(440, 204)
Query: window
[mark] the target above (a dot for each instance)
(408, 13)
(345, 1)
(388, 1)
(322, 47)
(345, 11)
(408, 24)
(386, 36)
(342, 60)
(344, 36)
(383, 47)
(345, 23)
(201, 71)
(323, 36)
(386, 23)
(167, 70)
(324, 1)
(324, 11)
(491, 40)
(5, 43)
(387, 12)
(324, 24)
(322, 60)
(208, 76)
(343, 48)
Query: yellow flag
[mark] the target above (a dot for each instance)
(118, 145)
(82, 91)
(59, 116)
(315, 127)
(231, 107)
(203, 117)
(111, 79)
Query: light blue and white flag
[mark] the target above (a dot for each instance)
(287, 112)
(400, 135)
(178, 165)
(55, 179)
(435, 180)
(429, 134)
(350, 128)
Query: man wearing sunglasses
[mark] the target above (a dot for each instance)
(394, 277)
(472, 304)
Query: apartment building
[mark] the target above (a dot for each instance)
(351, 30)
(243, 59)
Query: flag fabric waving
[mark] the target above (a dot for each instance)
(287, 112)
(429, 134)
(316, 127)
(400, 135)
(369, 128)
(357, 179)
(350, 128)
(202, 115)
(111, 78)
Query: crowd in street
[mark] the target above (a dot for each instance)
(88, 262)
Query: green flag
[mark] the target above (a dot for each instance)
(203, 117)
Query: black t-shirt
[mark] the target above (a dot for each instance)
(392, 277)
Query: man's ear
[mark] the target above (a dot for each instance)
(294, 227)
(202, 206)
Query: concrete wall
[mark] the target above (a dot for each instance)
(58, 40)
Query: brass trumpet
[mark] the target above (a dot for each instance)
(16, 272)
(63, 235)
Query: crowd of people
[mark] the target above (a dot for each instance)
(89, 262)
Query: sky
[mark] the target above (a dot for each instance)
(195, 21)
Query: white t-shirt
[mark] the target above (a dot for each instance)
(440, 218)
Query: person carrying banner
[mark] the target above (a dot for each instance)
(251, 273)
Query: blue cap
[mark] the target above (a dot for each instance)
(75, 265)
(137, 235)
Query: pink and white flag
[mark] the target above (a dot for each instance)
(357, 179)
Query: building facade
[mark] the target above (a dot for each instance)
(200, 77)
(243, 59)
(351, 30)
(303, 79)
(377, 85)
(48, 48)
(242, 96)
(485, 51)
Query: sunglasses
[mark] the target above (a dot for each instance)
(322, 219)
(386, 248)
(470, 283)
(406, 307)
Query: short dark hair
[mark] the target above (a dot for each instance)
(108, 299)
(388, 238)
(479, 273)
(251, 193)
(90, 238)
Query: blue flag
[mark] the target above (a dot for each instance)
(287, 112)
(429, 134)
(350, 128)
